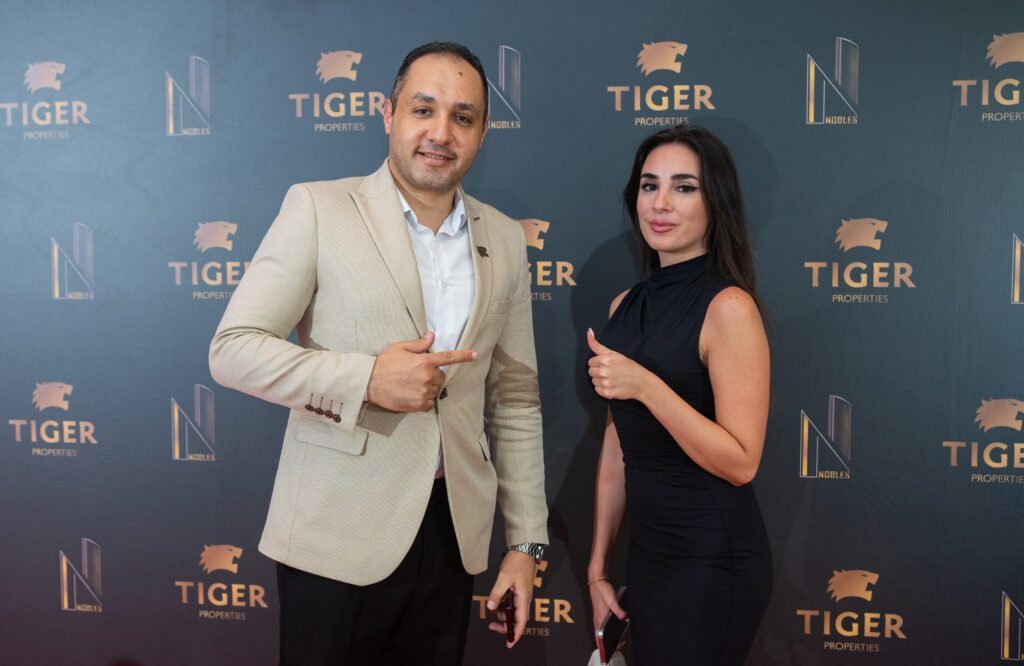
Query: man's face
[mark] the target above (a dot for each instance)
(436, 125)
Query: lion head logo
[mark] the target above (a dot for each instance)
(220, 558)
(43, 75)
(660, 55)
(338, 65)
(533, 230)
(852, 583)
(1002, 413)
(1006, 48)
(214, 234)
(860, 232)
(51, 394)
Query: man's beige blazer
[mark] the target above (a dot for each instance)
(337, 265)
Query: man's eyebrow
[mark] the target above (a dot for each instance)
(423, 97)
(465, 106)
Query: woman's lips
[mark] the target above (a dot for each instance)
(661, 226)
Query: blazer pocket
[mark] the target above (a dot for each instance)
(329, 435)
(501, 305)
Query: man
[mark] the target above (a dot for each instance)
(384, 499)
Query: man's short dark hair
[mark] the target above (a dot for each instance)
(450, 49)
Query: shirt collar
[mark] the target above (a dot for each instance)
(452, 224)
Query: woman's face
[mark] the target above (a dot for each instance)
(670, 206)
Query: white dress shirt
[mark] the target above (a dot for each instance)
(445, 264)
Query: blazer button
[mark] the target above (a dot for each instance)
(443, 394)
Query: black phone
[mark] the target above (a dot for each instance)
(508, 603)
(612, 632)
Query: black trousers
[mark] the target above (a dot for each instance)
(417, 615)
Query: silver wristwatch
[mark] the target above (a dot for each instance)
(534, 550)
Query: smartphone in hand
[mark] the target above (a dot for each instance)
(508, 604)
(612, 632)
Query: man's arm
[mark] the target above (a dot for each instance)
(512, 410)
(250, 351)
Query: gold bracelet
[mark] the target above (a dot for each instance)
(596, 580)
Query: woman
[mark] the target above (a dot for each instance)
(683, 363)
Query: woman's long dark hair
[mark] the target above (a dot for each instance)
(726, 237)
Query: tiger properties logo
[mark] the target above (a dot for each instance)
(188, 112)
(545, 273)
(858, 279)
(654, 58)
(1011, 635)
(1004, 95)
(81, 587)
(72, 277)
(1016, 297)
(545, 611)
(508, 91)
(39, 119)
(219, 597)
(53, 437)
(843, 630)
(827, 457)
(833, 101)
(193, 437)
(990, 461)
(339, 108)
(210, 280)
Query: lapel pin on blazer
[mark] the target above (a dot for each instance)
(483, 251)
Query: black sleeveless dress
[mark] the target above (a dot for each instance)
(699, 569)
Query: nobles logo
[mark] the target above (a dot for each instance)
(836, 447)
(860, 281)
(71, 277)
(52, 437)
(193, 438)
(833, 101)
(216, 275)
(1003, 94)
(545, 611)
(217, 599)
(990, 460)
(188, 113)
(508, 90)
(333, 110)
(1011, 643)
(670, 96)
(81, 587)
(545, 272)
(37, 118)
(838, 629)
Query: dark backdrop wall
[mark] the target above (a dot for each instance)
(145, 148)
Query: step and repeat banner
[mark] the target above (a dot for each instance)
(145, 148)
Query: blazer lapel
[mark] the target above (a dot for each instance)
(483, 269)
(378, 203)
